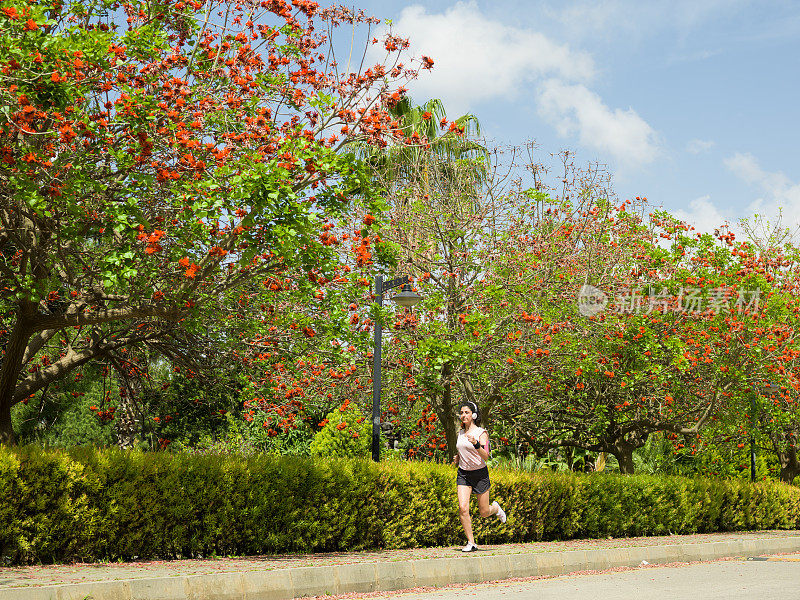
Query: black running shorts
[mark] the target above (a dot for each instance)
(478, 479)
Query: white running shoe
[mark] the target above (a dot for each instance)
(469, 548)
(501, 514)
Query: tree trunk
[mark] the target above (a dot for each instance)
(126, 425)
(486, 414)
(448, 424)
(790, 465)
(445, 412)
(6, 431)
(14, 353)
(623, 452)
(126, 420)
(450, 435)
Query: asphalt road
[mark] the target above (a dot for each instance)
(724, 580)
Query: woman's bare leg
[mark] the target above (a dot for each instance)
(483, 505)
(464, 493)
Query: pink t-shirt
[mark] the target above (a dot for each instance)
(468, 457)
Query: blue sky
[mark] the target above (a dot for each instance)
(693, 104)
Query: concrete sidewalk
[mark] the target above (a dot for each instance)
(291, 576)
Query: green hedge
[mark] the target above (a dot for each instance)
(90, 505)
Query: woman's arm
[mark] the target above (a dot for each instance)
(483, 450)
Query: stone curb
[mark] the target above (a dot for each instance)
(297, 582)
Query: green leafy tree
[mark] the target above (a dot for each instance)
(154, 158)
(495, 259)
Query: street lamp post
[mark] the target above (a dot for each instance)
(752, 438)
(406, 297)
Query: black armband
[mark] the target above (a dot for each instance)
(477, 445)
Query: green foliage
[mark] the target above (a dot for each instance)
(91, 505)
(346, 434)
(293, 441)
(725, 459)
(252, 438)
(515, 455)
(60, 416)
(53, 515)
(193, 412)
(231, 438)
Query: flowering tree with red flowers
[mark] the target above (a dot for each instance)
(156, 157)
(501, 322)
(765, 410)
(693, 326)
(298, 341)
(467, 238)
(334, 365)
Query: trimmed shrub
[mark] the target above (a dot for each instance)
(345, 434)
(88, 505)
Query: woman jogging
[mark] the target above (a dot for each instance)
(473, 474)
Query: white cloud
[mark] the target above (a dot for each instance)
(781, 195)
(478, 59)
(778, 203)
(575, 110)
(706, 217)
(699, 146)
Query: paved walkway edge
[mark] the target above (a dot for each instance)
(297, 582)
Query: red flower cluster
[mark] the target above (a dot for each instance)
(105, 416)
(328, 238)
(529, 318)
(191, 269)
(153, 239)
(363, 253)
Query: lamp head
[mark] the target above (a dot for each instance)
(406, 296)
